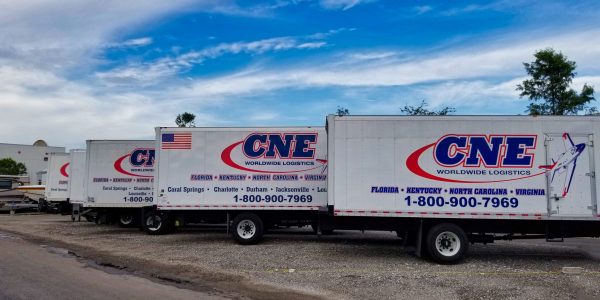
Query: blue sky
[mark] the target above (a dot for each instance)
(76, 70)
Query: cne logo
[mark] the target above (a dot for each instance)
(476, 158)
(490, 151)
(142, 158)
(137, 163)
(280, 145)
(275, 152)
(63, 170)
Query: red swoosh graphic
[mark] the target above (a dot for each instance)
(121, 170)
(63, 170)
(226, 158)
(412, 163)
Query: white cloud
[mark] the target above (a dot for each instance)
(326, 34)
(421, 9)
(60, 35)
(593, 81)
(468, 96)
(43, 43)
(499, 59)
(474, 93)
(342, 4)
(311, 45)
(133, 43)
(38, 104)
(371, 55)
(149, 73)
(66, 34)
(264, 116)
(466, 9)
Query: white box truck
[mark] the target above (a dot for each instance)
(119, 178)
(57, 182)
(76, 182)
(445, 182)
(254, 177)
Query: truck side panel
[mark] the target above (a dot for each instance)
(241, 168)
(77, 176)
(463, 167)
(57, 183)
(119, 174)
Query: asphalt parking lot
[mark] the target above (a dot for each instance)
(347, 265)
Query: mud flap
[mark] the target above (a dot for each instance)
(76, 212)
(418, 246)
(228, 217)
(143, 213)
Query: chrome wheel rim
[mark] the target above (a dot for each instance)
(447, 243)
(246, 229)
(126, 219)
(153, 223)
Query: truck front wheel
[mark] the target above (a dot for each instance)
(247, 228)
(446, 243)
(155, 223)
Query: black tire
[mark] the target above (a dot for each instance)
(446, 243)
(315, 229)
(156, 223)
(327, 231)
(247, 229)
(127, 220)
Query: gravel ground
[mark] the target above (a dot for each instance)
(346, 265)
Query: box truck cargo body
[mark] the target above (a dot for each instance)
(443, 182)
(119, 178)
(76, 180)
(77, 176)
(273, 175)
(57, 182)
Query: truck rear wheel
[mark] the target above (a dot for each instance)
(126, 220)
(247, 228)
(90, 218)
(156, 223)
(446, 243)
(315, 229)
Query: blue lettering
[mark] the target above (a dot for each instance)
(142, 158)
(276, 142)
(280, 146)
(443, 147)
(303, 147)
(489, 152)
(516, 148)
(250, 148)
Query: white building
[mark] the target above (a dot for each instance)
(35, 157)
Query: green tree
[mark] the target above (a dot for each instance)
(342, 111)
(549, 86)
(9, 166)
(422, 110)
(185, 119)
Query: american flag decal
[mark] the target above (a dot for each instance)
(176, 141)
